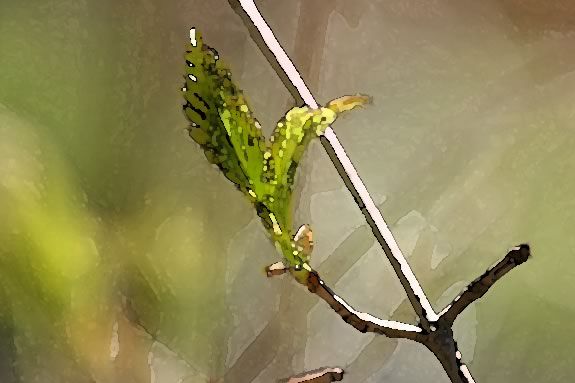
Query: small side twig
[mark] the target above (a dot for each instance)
(321, 375)
(363, 322)
(481, 285)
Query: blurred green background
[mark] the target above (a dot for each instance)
(125, 257)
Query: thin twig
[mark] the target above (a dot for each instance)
(361, 321)
(481, 285)
(267, 42)
(321, 375)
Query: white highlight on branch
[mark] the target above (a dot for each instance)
(288, 67)
(467, 374)
(380, 322)
(446, 308)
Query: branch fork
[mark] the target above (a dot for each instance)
(439, 337)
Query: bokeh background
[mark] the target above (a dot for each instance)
(125, 257)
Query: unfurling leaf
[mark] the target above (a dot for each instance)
(345, 103)
(292, 135)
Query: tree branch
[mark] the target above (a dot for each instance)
(321, 375)
(436, 330)
(481, 285)
(267, 42)
(361, 321)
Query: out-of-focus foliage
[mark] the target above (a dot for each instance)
(51, 271)
(107, 223)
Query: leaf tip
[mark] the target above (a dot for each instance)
(349, 102)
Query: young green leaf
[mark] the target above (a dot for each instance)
(221, 120)
(291, 137)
